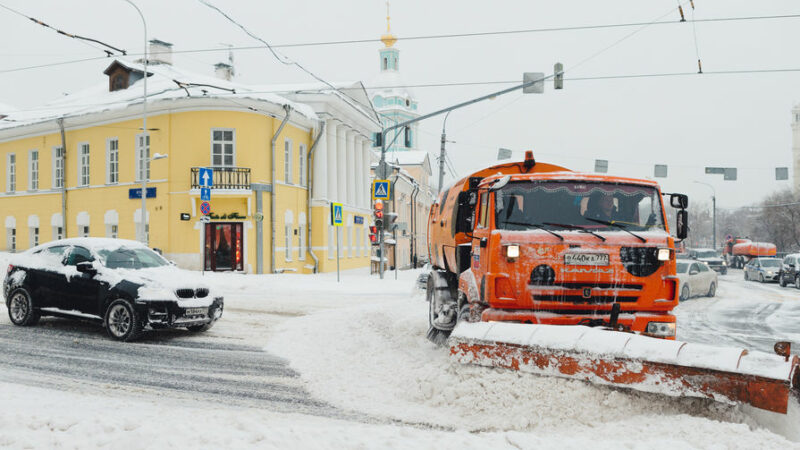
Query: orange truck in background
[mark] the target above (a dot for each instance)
(536, 243)
(738, 252)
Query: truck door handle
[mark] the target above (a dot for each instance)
(484, 242)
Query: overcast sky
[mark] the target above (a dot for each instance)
(686, 122)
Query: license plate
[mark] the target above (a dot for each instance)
(586, 259)
(196, 311)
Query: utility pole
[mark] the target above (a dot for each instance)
(382, 167)
(442, 152)
(713, 213)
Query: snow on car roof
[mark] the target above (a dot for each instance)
(93, 243)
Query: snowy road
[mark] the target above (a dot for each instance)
(744, 313)
(64, 354)
(306, 362)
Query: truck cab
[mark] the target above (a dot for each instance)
(564, 248)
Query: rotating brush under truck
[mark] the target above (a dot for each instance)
(544, 270)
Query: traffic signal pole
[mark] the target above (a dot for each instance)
(382, 166)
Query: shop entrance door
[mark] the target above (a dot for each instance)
(224, 246)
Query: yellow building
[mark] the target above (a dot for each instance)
(259, 145)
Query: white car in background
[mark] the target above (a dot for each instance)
(696, 279)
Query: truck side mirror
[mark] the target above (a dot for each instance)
(679, 201)
(682, 224)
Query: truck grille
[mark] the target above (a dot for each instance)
(580, 299)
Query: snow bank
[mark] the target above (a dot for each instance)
(375, 359)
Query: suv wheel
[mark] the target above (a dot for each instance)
(761, 278)
(797, 281)
(122, 322)
(21, 310)
(782, 281)
(684, 293)
(712, 290)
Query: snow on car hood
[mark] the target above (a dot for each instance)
(159, 283)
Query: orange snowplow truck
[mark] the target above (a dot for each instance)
(547, 271)
(537, 243)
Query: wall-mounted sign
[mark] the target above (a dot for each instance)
(137, 193)
(186, 216)
(205, 194)
(358, 220)
(231, 216)
(258, 216)
(205, 208)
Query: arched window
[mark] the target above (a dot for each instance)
(385, 63)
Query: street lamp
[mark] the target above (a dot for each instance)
(714, 213)
(145, 164)
(145, 144)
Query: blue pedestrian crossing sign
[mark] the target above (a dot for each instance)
(206, 176)
(381, 189)
(205, 194)
(337, 216)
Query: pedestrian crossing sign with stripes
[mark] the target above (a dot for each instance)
(337, 218)
(381, 189)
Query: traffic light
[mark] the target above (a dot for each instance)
(378, 213)
(389, 223)
(373, 234)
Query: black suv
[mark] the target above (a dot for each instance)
(123, 284)
(790, 270)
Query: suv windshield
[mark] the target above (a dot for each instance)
(706, 254)
(524, 205)
(770, 263)
(130, 258)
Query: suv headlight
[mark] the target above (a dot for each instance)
(661, 329)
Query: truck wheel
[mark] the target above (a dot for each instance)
(442, 313)
(685, 293)
(21, 310)
(712, 290)
(122, 322)
(464, 314)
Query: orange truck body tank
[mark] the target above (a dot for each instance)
(753, 249)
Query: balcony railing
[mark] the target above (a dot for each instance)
(225, 178)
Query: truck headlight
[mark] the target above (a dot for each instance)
(512, 251)
(661, 329)
(663, 254)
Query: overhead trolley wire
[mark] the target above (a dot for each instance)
(432, 36)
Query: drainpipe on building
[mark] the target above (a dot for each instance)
(414, 225)
(64, 174)
(272, 196)
(309, 179)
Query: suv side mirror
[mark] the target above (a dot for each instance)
(679, 201)
(682, 224)
(86, 267)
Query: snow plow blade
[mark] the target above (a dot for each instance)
(730, 375)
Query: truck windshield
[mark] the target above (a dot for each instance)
(592, 206)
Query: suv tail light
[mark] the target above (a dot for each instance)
(10, 268)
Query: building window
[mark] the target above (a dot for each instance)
(287, 230)
(287, 161)
(11, 239)
(84, 230)
(83, 164)
(34, 236)
(58, 167)
(301, 163)
(301, 239)
(11, 173)
(33, 170)
(223, 152)
(385, 63)
(58, 233)
(112, 161)
(112, 231)
(142, 155)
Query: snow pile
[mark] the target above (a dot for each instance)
(375, 358)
